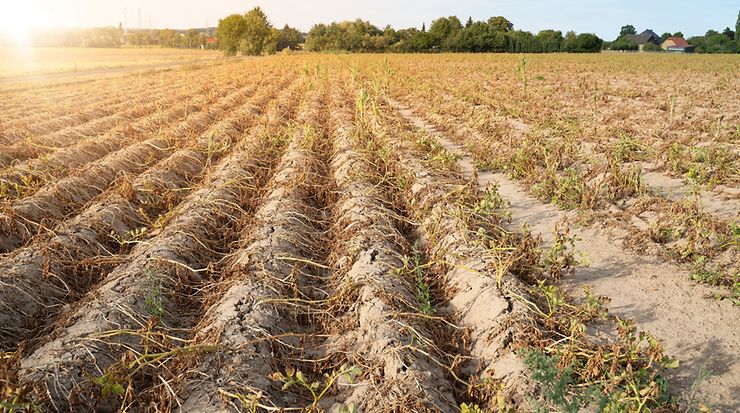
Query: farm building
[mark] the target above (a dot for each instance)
(648, 36)
(677, 45)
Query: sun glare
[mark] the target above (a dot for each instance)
(18, 19)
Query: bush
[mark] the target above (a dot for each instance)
(652, 48)
(624, 44)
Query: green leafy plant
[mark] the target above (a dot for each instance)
(130, 237)
(627, 149)
(109, 386)
(350, 408)
(523, 73)
(150, 356)
(292, 377)
(560, 260)
(414, 266)
(153, 298)
(491, 200)
(470, 408)
(361, 106)
(557, 385)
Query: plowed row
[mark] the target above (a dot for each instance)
(275, 235)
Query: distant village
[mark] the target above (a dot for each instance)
(674, 44)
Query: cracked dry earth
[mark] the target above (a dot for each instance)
(278, 239)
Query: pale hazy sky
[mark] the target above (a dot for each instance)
(596, 16)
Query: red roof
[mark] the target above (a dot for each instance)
(679, 41)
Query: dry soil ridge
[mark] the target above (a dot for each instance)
(659, 296)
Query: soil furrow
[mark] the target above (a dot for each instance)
(481, 290)
(695, 232)
(29, 108)
(22, 179)
(28, 216)
(674, 189)
(39, 125)
(657, 295)
(84, 93)
(37, 146)
(397, 351)
(150, 100)
(159, 279)
(609, 186)
(268, 288)
(50, 273)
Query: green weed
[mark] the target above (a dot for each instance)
(317, 388)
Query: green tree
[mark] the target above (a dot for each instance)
(500, 23)
(391, 34)
(623, 44)
(550, 41)
(569, 42)
(317, 39)
(289, 38)
(194, 39)
(169, 38)
(480, 37)
(272, 41)
(419, 42)
(665, 36)
(353, 36)
(230, 31)
(713, 42)
(137, 39)
(582, 43)
(729, 33)
(102, 37)
(588, 43)
(627, 29)
(678, 34)
(443, 32)
(737, 29)
(257, 33)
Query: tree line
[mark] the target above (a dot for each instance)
(252, 34)
(447, 34)
(191, 39)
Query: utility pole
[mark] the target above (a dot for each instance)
(125, 20)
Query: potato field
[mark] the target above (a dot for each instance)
(374, 233)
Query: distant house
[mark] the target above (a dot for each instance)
(648, 36)
(676, 44)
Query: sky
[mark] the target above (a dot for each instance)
(603, 18)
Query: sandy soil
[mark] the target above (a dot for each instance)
(658, 296)
(718, 205)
